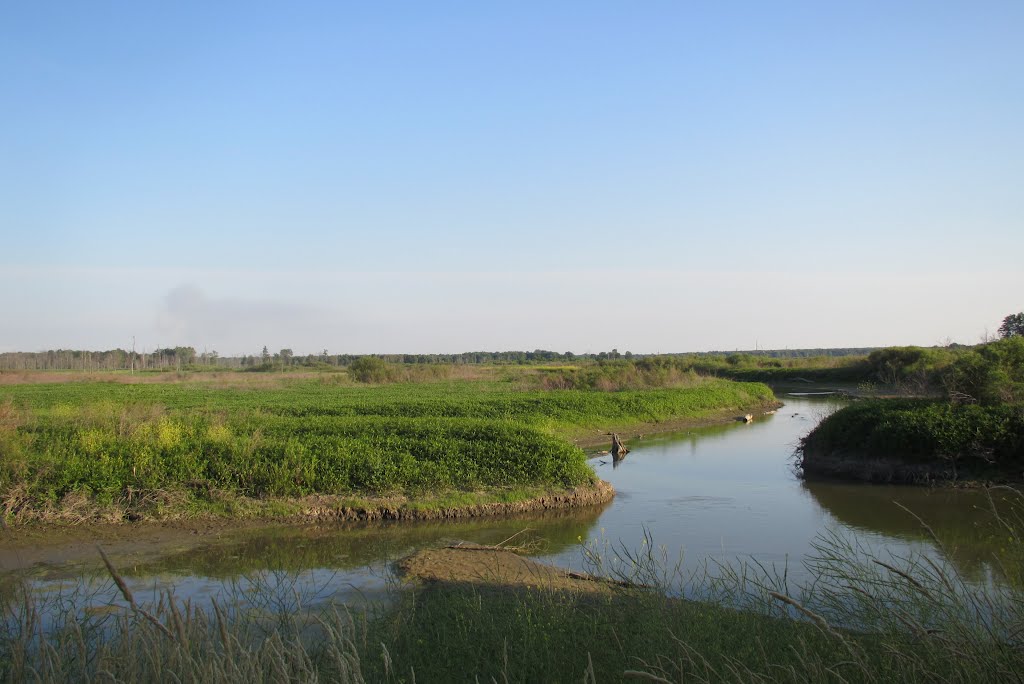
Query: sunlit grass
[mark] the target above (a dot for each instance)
(153, 449)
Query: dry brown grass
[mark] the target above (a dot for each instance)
(10, 416)
(225, 379)
(609, 379)
(229, 379)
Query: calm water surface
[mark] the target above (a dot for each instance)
(728, 493)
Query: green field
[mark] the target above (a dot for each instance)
(156, 447)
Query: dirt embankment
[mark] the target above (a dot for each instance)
(870, 470)
(600, 437)
(898, 471)
(47, 541)
(328, 508)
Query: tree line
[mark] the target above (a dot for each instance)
(187, 358)
(171, 358)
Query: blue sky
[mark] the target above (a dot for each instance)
(440, 177)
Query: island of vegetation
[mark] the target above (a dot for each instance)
(966, 425)
(377, 440)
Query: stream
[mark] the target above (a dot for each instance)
(727, 493)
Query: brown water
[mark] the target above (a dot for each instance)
(726, 493)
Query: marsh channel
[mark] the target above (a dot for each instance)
(727, 493)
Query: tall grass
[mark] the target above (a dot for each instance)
(860, 618)
(688, 370)
(174, 641)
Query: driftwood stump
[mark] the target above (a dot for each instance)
(618, 448)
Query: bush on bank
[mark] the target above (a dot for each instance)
(985, 441)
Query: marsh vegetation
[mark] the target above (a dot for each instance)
(861, 618)
(80, 450)
(971, 428)
(849, 614)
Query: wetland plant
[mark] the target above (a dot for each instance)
(861, 617)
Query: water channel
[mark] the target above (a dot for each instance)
(728, 493)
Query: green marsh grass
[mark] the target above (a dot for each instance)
(153, 449)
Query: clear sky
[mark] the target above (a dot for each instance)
(453, 176)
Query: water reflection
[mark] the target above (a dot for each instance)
(961, 520)
(316, 565)
(732, 493)
(723, 492)
(344, 547)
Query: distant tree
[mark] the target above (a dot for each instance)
(286, 356)
(1013, 325)
(265, 354)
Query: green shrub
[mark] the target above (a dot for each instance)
(371, 369)
(991, 373)
(975, 438)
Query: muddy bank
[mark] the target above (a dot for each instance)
(329, 508)
(597, 438)
(45, 542)
(897, 471)
(495, 566)
(226, 547)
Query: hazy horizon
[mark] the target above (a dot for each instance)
(445, 178)
(190, 317)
